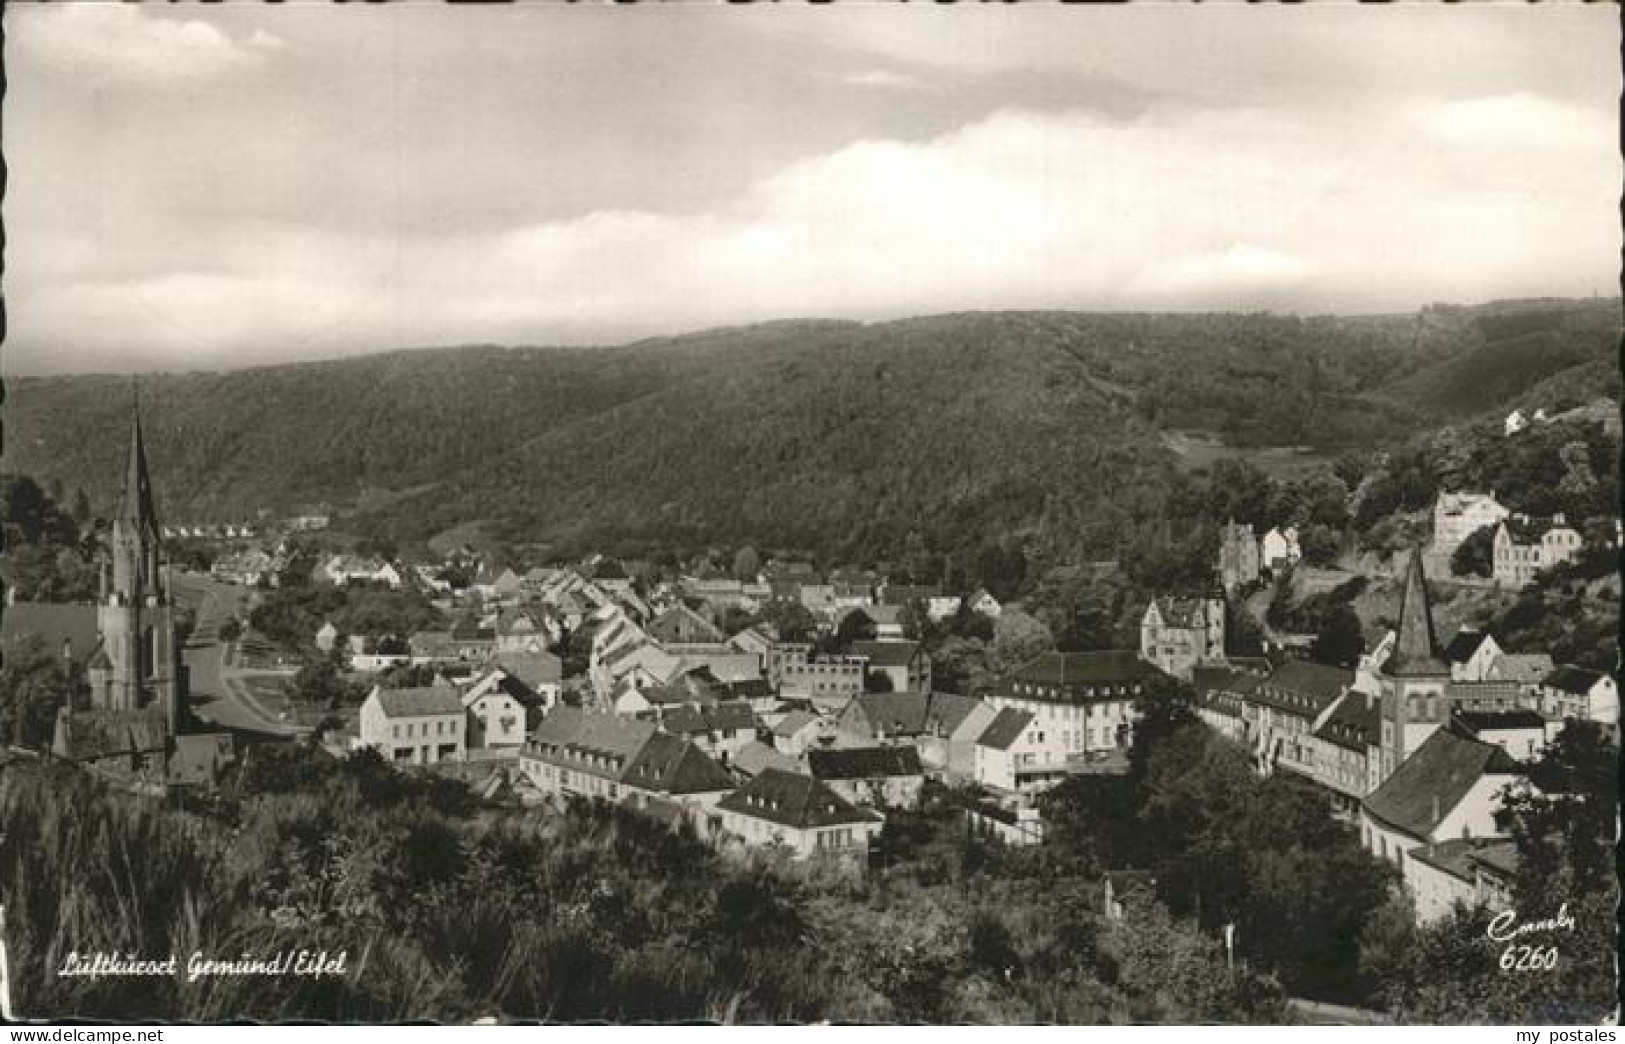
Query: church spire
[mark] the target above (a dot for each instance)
(137, 507)
(1415, 646)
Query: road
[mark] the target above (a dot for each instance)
(219, 694)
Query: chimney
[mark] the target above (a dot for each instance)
(1435, 810)
(67, 650)
(1557, 519)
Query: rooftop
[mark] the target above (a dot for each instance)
(793, 800)
(864, 762)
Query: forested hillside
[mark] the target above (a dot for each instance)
(949, 431)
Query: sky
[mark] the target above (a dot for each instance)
(208, 188)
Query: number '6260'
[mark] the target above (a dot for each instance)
(1529, 958)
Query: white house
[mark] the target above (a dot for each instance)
(1516, 421)
(327, 636)
(1457, 516)
(1279, 547)
(874, 777)
(1470, 654)
(414, 726)
(1579, 693)
(1083, 701)
(1526, 546)
(1447, 790)
(801, 814)
(984, 603)
(495, 717)
(1016, 753)
(940, 607)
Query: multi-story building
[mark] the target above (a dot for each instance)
(1457, 516)
(1084, 700)
(1177, 634)
(1525, 546)
(1238, 555)
(905, 664)
(827, 680)
(418, 726)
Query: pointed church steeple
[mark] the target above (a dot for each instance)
(1415, 646)
(137, 508)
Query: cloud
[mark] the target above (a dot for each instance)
(1357, 208)
(885, 79)
(1530, 120)
(124, 44)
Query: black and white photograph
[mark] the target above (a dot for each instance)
(854, 514)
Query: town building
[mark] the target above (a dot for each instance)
(828, 681)
(1084, 700)
(1467, 873)
(1292, 703)
(579, 754)
(1177, 634)
(1238, 556)
(1457, 516)
(1348, 750)
(1016, 753)
(906, 665)
(1578, 693)
(418, 726)
(1279, 548)
(1223, 700)
(1448, 789)
(1525, 547)
(802, 814)
(496, 718)
(873, 777)
(1470, 654)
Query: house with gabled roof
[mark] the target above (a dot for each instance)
(953, 724)
(1526, 547)
(1470, 652)
(1084, 701)
(803, 815)
(883, 717)
(1017, 753)
(578, 753)
(1347, 746)
(1571, 692)
(719, 729)
(416, 726)
(755, 757)
(873, 777)
(1292, 703)
(798, 731)
(681, 625)
(1177, 634)
(1448, 789)
(1223, 697)
(496, 718)
(983, 602)
(905, 664)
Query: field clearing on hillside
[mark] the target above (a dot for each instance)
(1199, 451)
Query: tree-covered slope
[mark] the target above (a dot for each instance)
(958, 429)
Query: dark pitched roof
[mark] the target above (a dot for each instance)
(1455, 856)
(794, 722)
(52, 625)
(681, 624)
(1415, 647)
(1005, 729)
(136, 506)
(1316, 682)
(897, 713)
(1464, 645)
(1572, 679)
(864, 762)
(1430, 783)
(675, 766)
(1354, 724)
(1073, 674)
(947, 711)
(690, 721)
(532, 668)
(421, 702)
(793, 800)
(1207, 680)
(93, 734)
